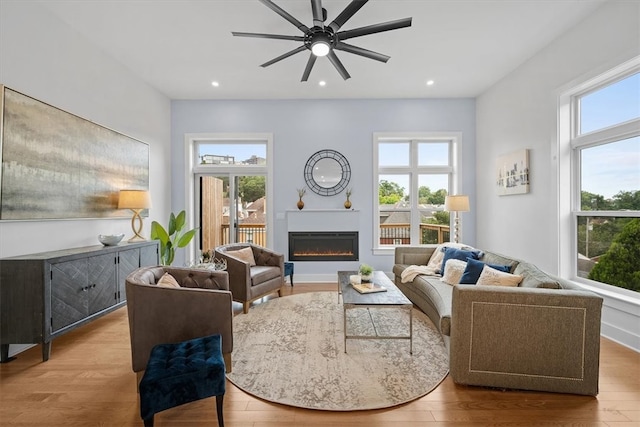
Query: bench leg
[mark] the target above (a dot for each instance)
(219, 400)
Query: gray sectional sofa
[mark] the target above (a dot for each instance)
(542, 335)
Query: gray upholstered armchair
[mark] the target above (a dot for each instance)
(254, 271)
(199, 307)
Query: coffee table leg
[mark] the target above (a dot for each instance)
(410, 330)
(344, 321)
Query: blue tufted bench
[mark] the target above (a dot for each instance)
(288, 271)
(181, 373)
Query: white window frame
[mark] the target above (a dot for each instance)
(453, 170)
(193, 168)
(570, 142)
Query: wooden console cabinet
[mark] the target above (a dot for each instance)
(45, 295)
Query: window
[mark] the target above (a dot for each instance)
(605, 181)
(413, 175)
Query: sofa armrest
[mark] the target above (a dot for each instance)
(523, 338)
(414, 255)
(159, 315)
(239, 274)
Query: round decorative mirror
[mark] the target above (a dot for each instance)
(327, 172)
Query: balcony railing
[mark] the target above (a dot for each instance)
(390, 234)
(400, 234)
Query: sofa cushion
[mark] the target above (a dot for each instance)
(454, 253)
(440, 296)
(245, 254)
(533, 277)
(453, 271)
(492, 277)
(473, 269)
(168, 281)
(493, 258)
(263, 273)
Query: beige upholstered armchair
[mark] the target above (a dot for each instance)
(254, 271)
(162, 313)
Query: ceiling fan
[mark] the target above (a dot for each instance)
(324, 40)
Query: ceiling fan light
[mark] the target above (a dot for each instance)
(320, 48)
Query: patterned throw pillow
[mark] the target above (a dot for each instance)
(246, 255)
(168, 281)
(492, 277)
(453, 271)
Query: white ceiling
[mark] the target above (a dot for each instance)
(181, 46)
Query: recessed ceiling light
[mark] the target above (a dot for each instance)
(215, 84)
(322, 83)
(430, 82)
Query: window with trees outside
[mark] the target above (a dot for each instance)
(605, 160)
(413, 175)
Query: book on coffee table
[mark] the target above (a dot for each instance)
(368, 288)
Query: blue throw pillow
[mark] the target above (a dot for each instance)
(474, 269)
(461, 254)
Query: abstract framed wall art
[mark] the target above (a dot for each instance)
(56, 165)
(512, 173)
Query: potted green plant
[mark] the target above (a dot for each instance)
(366, 272)
(173, 238)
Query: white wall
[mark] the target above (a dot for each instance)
(520, 111)
(302, 127)
(42, 57)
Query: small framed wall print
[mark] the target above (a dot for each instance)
(512, 173)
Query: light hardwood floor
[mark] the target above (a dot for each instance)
(88, 382)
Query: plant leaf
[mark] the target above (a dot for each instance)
(180, 220)
(172, 224)
(186, 238)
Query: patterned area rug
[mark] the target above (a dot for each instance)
(290, 350)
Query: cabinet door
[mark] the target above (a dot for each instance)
(102, 282)
(69, 300)
(128, 261)
(149, 255)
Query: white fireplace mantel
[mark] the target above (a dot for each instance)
(323, 220)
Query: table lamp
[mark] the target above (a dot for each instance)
(456, 204)
(136, 200)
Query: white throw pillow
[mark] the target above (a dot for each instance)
(453, 271)
(492, 277)
(245, 254)
(168, 281)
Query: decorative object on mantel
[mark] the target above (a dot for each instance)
(512, 172)
(301, 193)
(172, 239)
(366, 272)
(110, 239)
(136, 200)
(456, 204)
(347, 203)
(327, 172)
(49, 158)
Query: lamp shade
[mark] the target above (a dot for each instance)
(458, 203)
(134, 199)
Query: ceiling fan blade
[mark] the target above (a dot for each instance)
(346, 14)
(316, 8)
(268, 36)
(336, 63)
(284, 56)
(375, 28)
(277, 9)
(307, 69)
(362, 52)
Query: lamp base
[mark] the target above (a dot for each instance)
(136, 226)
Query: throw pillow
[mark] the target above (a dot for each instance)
(492, 277)
(474, 269)
(454, 253)
(453, 271)
(168, 281)
(246, 255)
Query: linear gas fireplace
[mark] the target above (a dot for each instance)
(323, 246)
